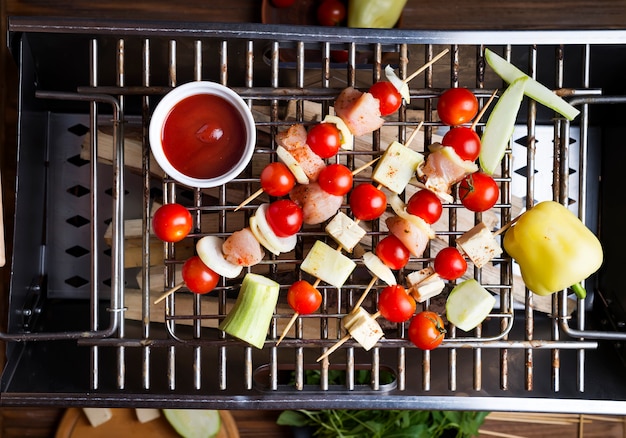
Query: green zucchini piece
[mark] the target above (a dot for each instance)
(194, 423)
(535, 90)
(252, 313)
(469, 304)
(500, 126)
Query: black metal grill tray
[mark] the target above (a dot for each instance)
(70, 341)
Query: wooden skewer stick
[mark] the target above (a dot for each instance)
(506, 226)
(334, 347)
(347, 336)
(414, 133)
(365, 166)
(250, 198)
(340, 342)
(295, 316)
(169, 292)
(483, 109)
(364, 294)
(286, 330)
(425, 66)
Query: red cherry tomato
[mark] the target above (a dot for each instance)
(392, 252)
(198, 277)
(388, 96)
(426, 205)
(171, 222)
(285, 217)
(478, 192)
(303, 297)
(450, 264)
(340, 56)
(335, 179)
(324, 139)
(277, 179)
(457, 106)
(464, 141)
(426, 330)
(367, 202)
(331, 13)
(395, 304)
(283, 3)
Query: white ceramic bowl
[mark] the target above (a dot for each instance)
(160, 117)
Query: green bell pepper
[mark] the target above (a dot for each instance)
(553, 248)
(374, 13)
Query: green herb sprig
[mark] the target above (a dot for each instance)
(385, 423)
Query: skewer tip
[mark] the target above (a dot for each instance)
(287, 328)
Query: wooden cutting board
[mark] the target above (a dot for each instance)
(74, 424)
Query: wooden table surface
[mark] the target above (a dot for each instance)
(418, 14)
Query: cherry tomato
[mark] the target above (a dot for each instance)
(303, 297)
(335, 179)
(457, 106)
(478, 192)
(285, 217)
(426, 205)
(388, 96)
(340, 56)
(426, 330)
(198, 277)
(464, 141)
(392, 252)
(277, 179)
(324, 139)
(367, 202)
(450, 264)
(395, 304)
(283, 3)
(331, 13)
(171, 222)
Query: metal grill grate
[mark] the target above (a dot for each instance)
(151, 356)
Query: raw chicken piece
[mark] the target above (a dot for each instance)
(293, 139)
(242, 248)
(410, 234)
(444, 168)
(360, 111)
(310, 162)
(317, 205)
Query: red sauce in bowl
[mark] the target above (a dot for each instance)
(203, 136)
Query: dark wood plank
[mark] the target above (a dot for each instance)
(418, 14)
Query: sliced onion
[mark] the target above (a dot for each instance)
(378, 268)
(401, 86)
(254, 227)
(209, 249)
(276, 243)
(347, 138)
(292, 164)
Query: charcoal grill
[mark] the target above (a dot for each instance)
(82, 330)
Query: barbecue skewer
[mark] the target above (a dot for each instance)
(339, 248)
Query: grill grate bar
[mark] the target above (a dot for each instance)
(145, 216)
(93, 169)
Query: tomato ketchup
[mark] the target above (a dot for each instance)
(203, 136)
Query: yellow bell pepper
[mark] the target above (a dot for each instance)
(553, 248)
(377, 14)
